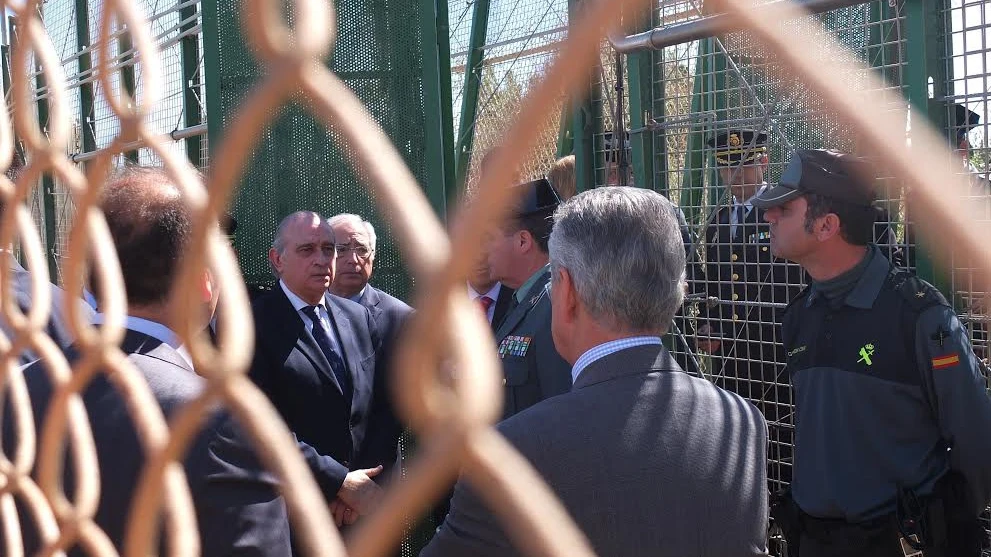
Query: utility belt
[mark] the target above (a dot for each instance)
(937, 525)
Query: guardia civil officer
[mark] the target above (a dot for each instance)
(746, 290)
(892, 416)
(518, 258)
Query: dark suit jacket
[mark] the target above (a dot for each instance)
(238, 508)
(502, 304)
(58, 327)
(389, 314)
(292, 370)
(536, 371)
(649, 461)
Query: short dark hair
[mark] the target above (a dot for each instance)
(538, 224)
(856, 221)
(151, 227)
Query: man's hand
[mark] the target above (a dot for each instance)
(705, 344)
(343, 514)
(360, 492)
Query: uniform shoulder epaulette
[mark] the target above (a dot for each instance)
(917, 292)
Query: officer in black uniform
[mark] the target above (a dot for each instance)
(746, 290)
(892, 451)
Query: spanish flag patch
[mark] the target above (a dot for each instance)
(946, 361)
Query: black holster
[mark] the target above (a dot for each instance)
(787, 516)
(945, 521)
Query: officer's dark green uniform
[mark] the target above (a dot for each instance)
(533, 370)
(892, 416)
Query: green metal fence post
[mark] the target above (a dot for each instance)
(86, 114)
(47, 185)
(192, 90)
(926, 68)
(434, 39)
(640, 77)
(587, 110)
(469, 97)
(127, 76)
(693, 181)
(211, 71)
(566, 132)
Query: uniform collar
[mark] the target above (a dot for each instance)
(522, 291)
(866, 290)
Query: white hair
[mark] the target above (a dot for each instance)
(623, 249)
(357, 222)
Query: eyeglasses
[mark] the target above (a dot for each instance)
(345, 250)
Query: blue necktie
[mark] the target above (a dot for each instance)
(327, 347)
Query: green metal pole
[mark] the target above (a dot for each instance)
(693, 182)
(127, 78)
(211, 71)
(583, 120)
(446, 94)
(924, 62)
(566, 132)
(86, 114)
(192, 91)
(433, 99)
(48, 187)
(642, 143)
(469, 96)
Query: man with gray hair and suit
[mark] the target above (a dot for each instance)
(648, 460)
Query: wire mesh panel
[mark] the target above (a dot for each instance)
(522, 39)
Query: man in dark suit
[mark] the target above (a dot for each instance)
(316, 357)
(648, 460)
(517, 254)
(238, 508)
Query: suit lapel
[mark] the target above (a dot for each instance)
(530, 299)
(140, 343)
(502, 303)
(305, 342)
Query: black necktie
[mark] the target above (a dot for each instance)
(327, 347)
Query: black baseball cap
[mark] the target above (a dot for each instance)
(537, 196)
(736, 147)
(832, 174)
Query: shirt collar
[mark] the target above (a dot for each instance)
(297, 303)
(153, 329)
(493, 292)
(866, 290)
(601, 351)
(525, 289)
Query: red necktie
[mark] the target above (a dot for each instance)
(485, 303)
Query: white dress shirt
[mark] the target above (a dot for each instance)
(601, 351)
(493, 295)
(748, 206)
(298, 304)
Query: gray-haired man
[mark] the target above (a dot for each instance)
(648, 460)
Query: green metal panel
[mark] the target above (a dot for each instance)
(586, 121)
(191, 88)
(469, 98)
(566, 132)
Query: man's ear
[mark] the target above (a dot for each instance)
(567, 295)
(827, 227)
(525, 240)
(275, 259)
